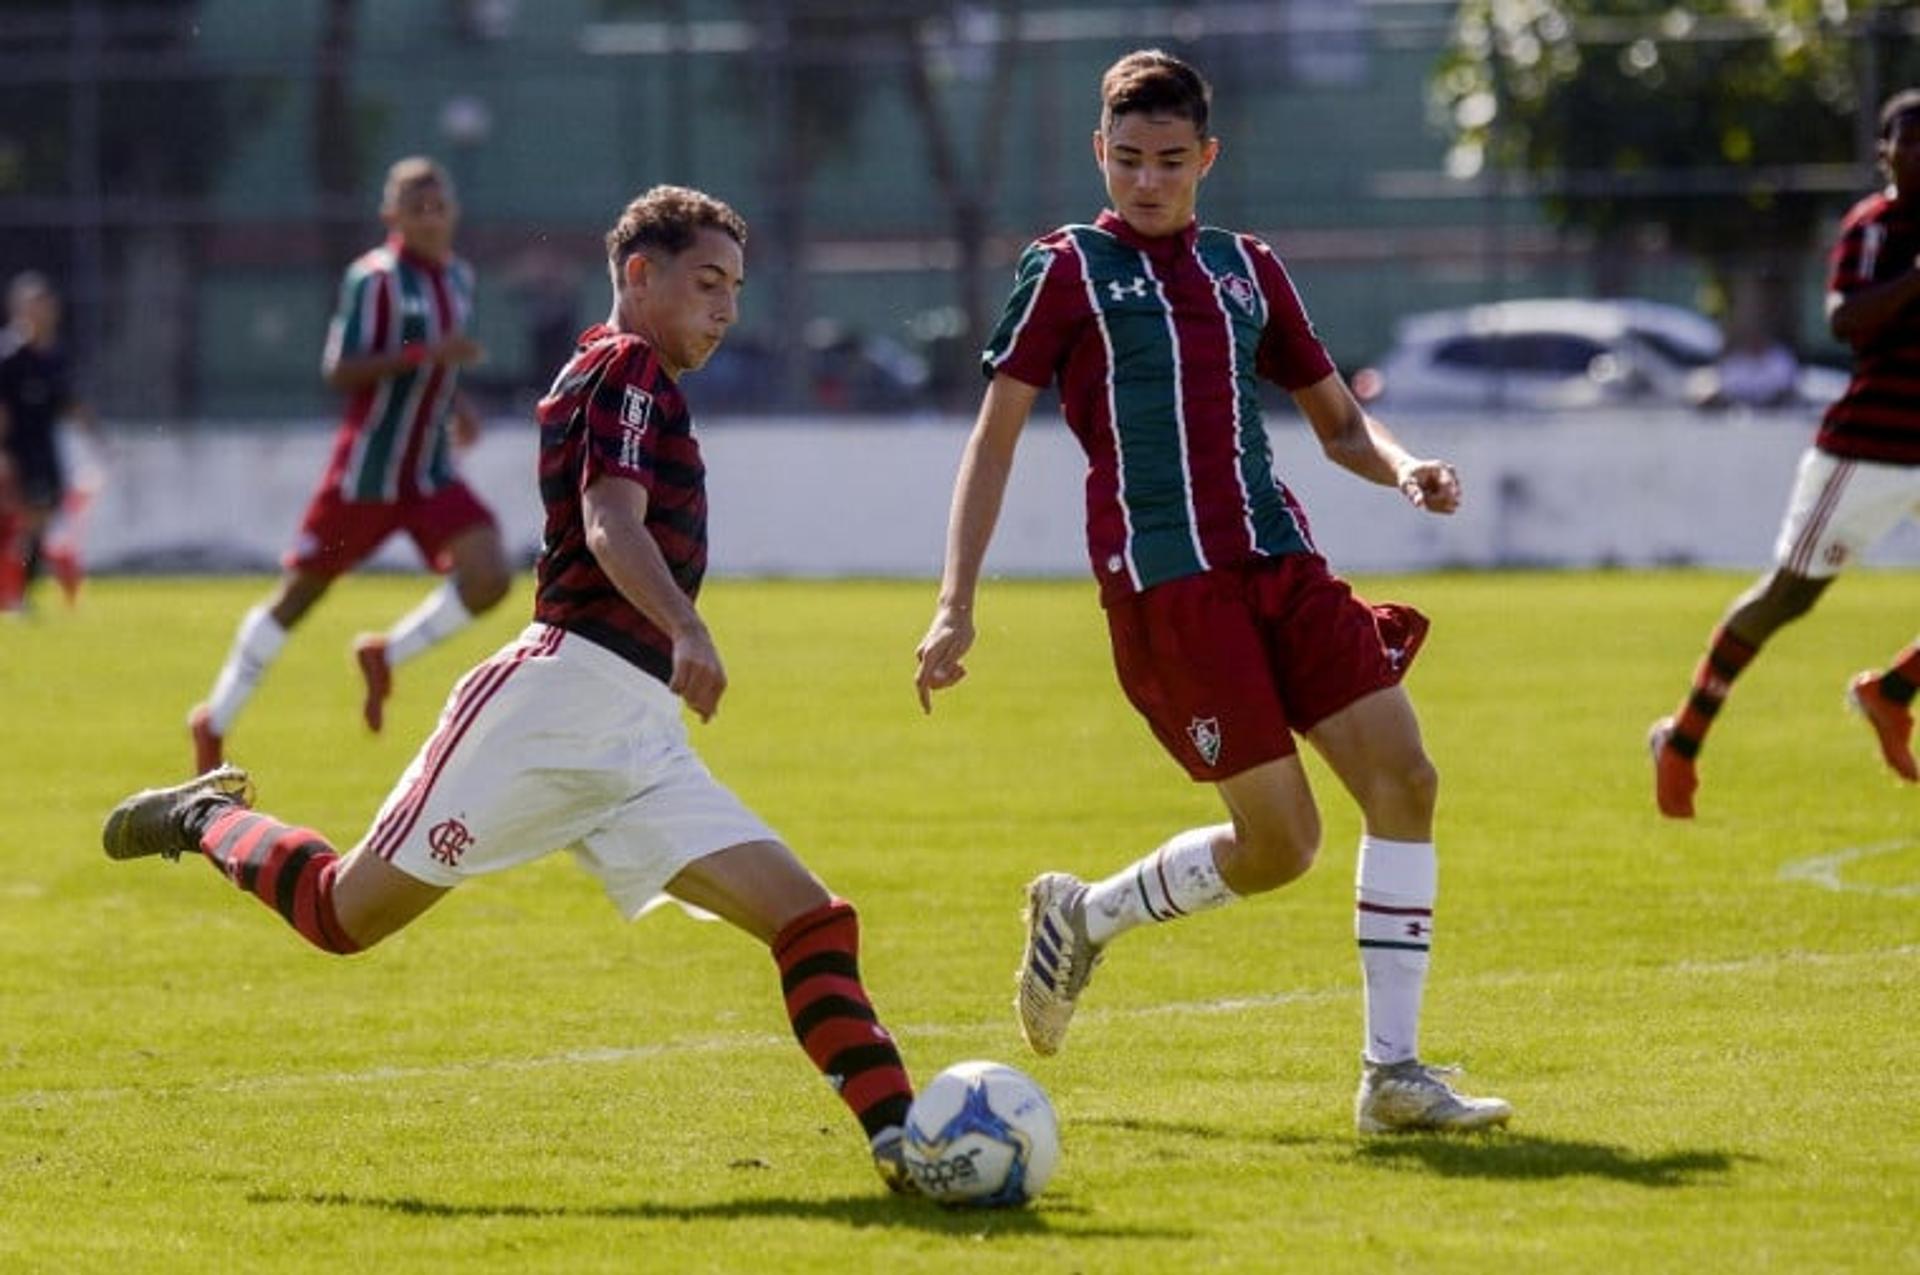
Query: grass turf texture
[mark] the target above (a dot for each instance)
(1711, 1060)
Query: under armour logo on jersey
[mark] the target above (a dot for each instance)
(1205, 734)
(636, 409)
(1240, 288)
(1121, 291)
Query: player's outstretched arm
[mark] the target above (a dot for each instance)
(1357, 441)
(977, 495)
(615, 513)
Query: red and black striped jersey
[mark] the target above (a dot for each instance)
(1878, 418)
(1156, 344)
(613, 410)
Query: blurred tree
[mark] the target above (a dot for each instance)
(1718, 121)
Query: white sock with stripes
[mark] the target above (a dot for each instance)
(440, 615)
(1394, 889)
(255, 645)
(1176, 880)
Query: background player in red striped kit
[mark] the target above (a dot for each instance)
(395, 349)
(1229, 633)
(572, 735)
(1859, 480)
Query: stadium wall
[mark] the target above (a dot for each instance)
(810, 499)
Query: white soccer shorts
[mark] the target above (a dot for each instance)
(557, 743)
(1839, 508)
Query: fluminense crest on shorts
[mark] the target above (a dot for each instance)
(1205, 733)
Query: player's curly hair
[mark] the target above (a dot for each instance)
(1899, 106)
(668, 218)
(1154, 82)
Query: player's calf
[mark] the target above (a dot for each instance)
(818, 957)
(289, 869)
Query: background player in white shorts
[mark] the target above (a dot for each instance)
(571, 736)
(1860, 478)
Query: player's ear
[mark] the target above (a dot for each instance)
(1099, 148)
(635, 271)
(1209, 151)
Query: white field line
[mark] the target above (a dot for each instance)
(744, 1041)
(1828, 870)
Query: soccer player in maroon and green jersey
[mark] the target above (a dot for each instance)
(1229, 633)
(1858, 481)
(395, 349)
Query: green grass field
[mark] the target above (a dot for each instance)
(1712, 1055)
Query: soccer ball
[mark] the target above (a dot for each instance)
(982, 1134)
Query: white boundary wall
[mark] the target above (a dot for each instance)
(870, 499)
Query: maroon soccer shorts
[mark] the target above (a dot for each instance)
(337, 534)
(1228, 664)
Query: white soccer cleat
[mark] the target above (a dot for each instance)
(1411, 1097)
(1058, 961)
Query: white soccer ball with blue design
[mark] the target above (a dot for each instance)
(982, 1134)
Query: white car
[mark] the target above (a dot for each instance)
(1557, 355)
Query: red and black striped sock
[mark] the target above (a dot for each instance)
(1726, 656)
(289, 869)
(1899, 682)
(818, 956)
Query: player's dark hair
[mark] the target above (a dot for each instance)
(1904, 103)
(1154, 82)
(669, 218)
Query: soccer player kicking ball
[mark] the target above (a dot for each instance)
(571, 736)
(1229, 633)
(395, 349)
(1859, 480)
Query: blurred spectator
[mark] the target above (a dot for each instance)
(1755, 371)
(36, 395)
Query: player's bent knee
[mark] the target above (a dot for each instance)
(482, 591)
(1420, 783)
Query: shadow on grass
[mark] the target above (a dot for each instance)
(1196, 1130)
(854, 1211)
(1520, 1156)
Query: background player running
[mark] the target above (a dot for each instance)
(395, 349)
(1856, 483)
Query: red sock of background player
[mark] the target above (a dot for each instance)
(1726, 656)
